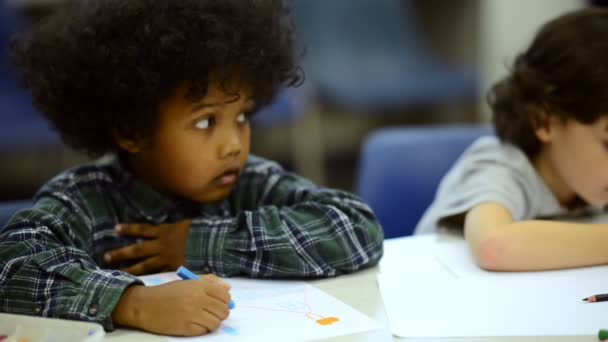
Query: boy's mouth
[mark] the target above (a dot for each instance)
(228, 177)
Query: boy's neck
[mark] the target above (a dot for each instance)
(131, 166)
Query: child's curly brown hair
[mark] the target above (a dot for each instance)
(98, 68)
(563, 73)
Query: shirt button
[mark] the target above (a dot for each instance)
(93, 310)
(206, 269)
(37, 309)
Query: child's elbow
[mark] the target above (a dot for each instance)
(376, 241)
(376, 248)
(370, 242)
(490, 253)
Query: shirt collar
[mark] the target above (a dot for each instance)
(150, 203)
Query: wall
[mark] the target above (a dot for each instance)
(507, 27)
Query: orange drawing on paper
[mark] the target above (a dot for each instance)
(299, 308)
(327, 320)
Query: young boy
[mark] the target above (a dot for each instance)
(515, 195)
(166, 87)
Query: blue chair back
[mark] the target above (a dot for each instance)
(369, 26)
(401, 167)
(22, 129)
(369, 55)
(9, 22)
(8, 209)
(288, 106)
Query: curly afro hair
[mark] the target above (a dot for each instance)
(98, 68)
(564, 72)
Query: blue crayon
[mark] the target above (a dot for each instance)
(186, 274)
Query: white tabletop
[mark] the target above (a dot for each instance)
(360, 290)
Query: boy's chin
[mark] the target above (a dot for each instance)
(217, 195)
(597, 202)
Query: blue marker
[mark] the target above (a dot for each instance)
(186, 274)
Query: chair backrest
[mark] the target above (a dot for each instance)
(369, 56)
(401, 167)
(10, 22)
(8, 209)
(22, 129)
(287, 106)
(333, 30)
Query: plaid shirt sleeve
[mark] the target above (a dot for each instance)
(285, 226)
(44, 269)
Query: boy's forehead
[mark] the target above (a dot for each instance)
(216, 94)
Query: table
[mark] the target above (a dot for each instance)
(360, 290)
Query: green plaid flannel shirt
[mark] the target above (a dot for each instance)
(274, 224)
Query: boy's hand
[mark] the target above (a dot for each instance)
(179, 308)
(163, 251)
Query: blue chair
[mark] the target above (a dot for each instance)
(22, 129)
(8, 209)
(401, 167)
(370, 56)
(288, 106)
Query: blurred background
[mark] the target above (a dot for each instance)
(370, 64)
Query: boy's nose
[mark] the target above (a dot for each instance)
(231, 147)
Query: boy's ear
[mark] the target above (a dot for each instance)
(126, 144)
(541, 122)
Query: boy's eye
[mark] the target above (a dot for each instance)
(242, 118)
(204, 123)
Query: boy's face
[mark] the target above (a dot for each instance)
(578, 156)
(200, 148)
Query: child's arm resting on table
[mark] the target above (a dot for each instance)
(499, 244)
(45, 271)
(286, 227)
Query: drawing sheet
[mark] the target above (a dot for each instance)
(455, 256)
(271, 310)
(414, 256)
(431, 287)
(476, 307)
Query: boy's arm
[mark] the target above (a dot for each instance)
(499, 244)
(286, 227)
(44, 269)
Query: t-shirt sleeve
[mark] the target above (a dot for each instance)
(482, 175)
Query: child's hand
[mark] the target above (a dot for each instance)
(163, 251)
(179, 308)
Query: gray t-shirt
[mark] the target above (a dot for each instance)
(491, 171)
